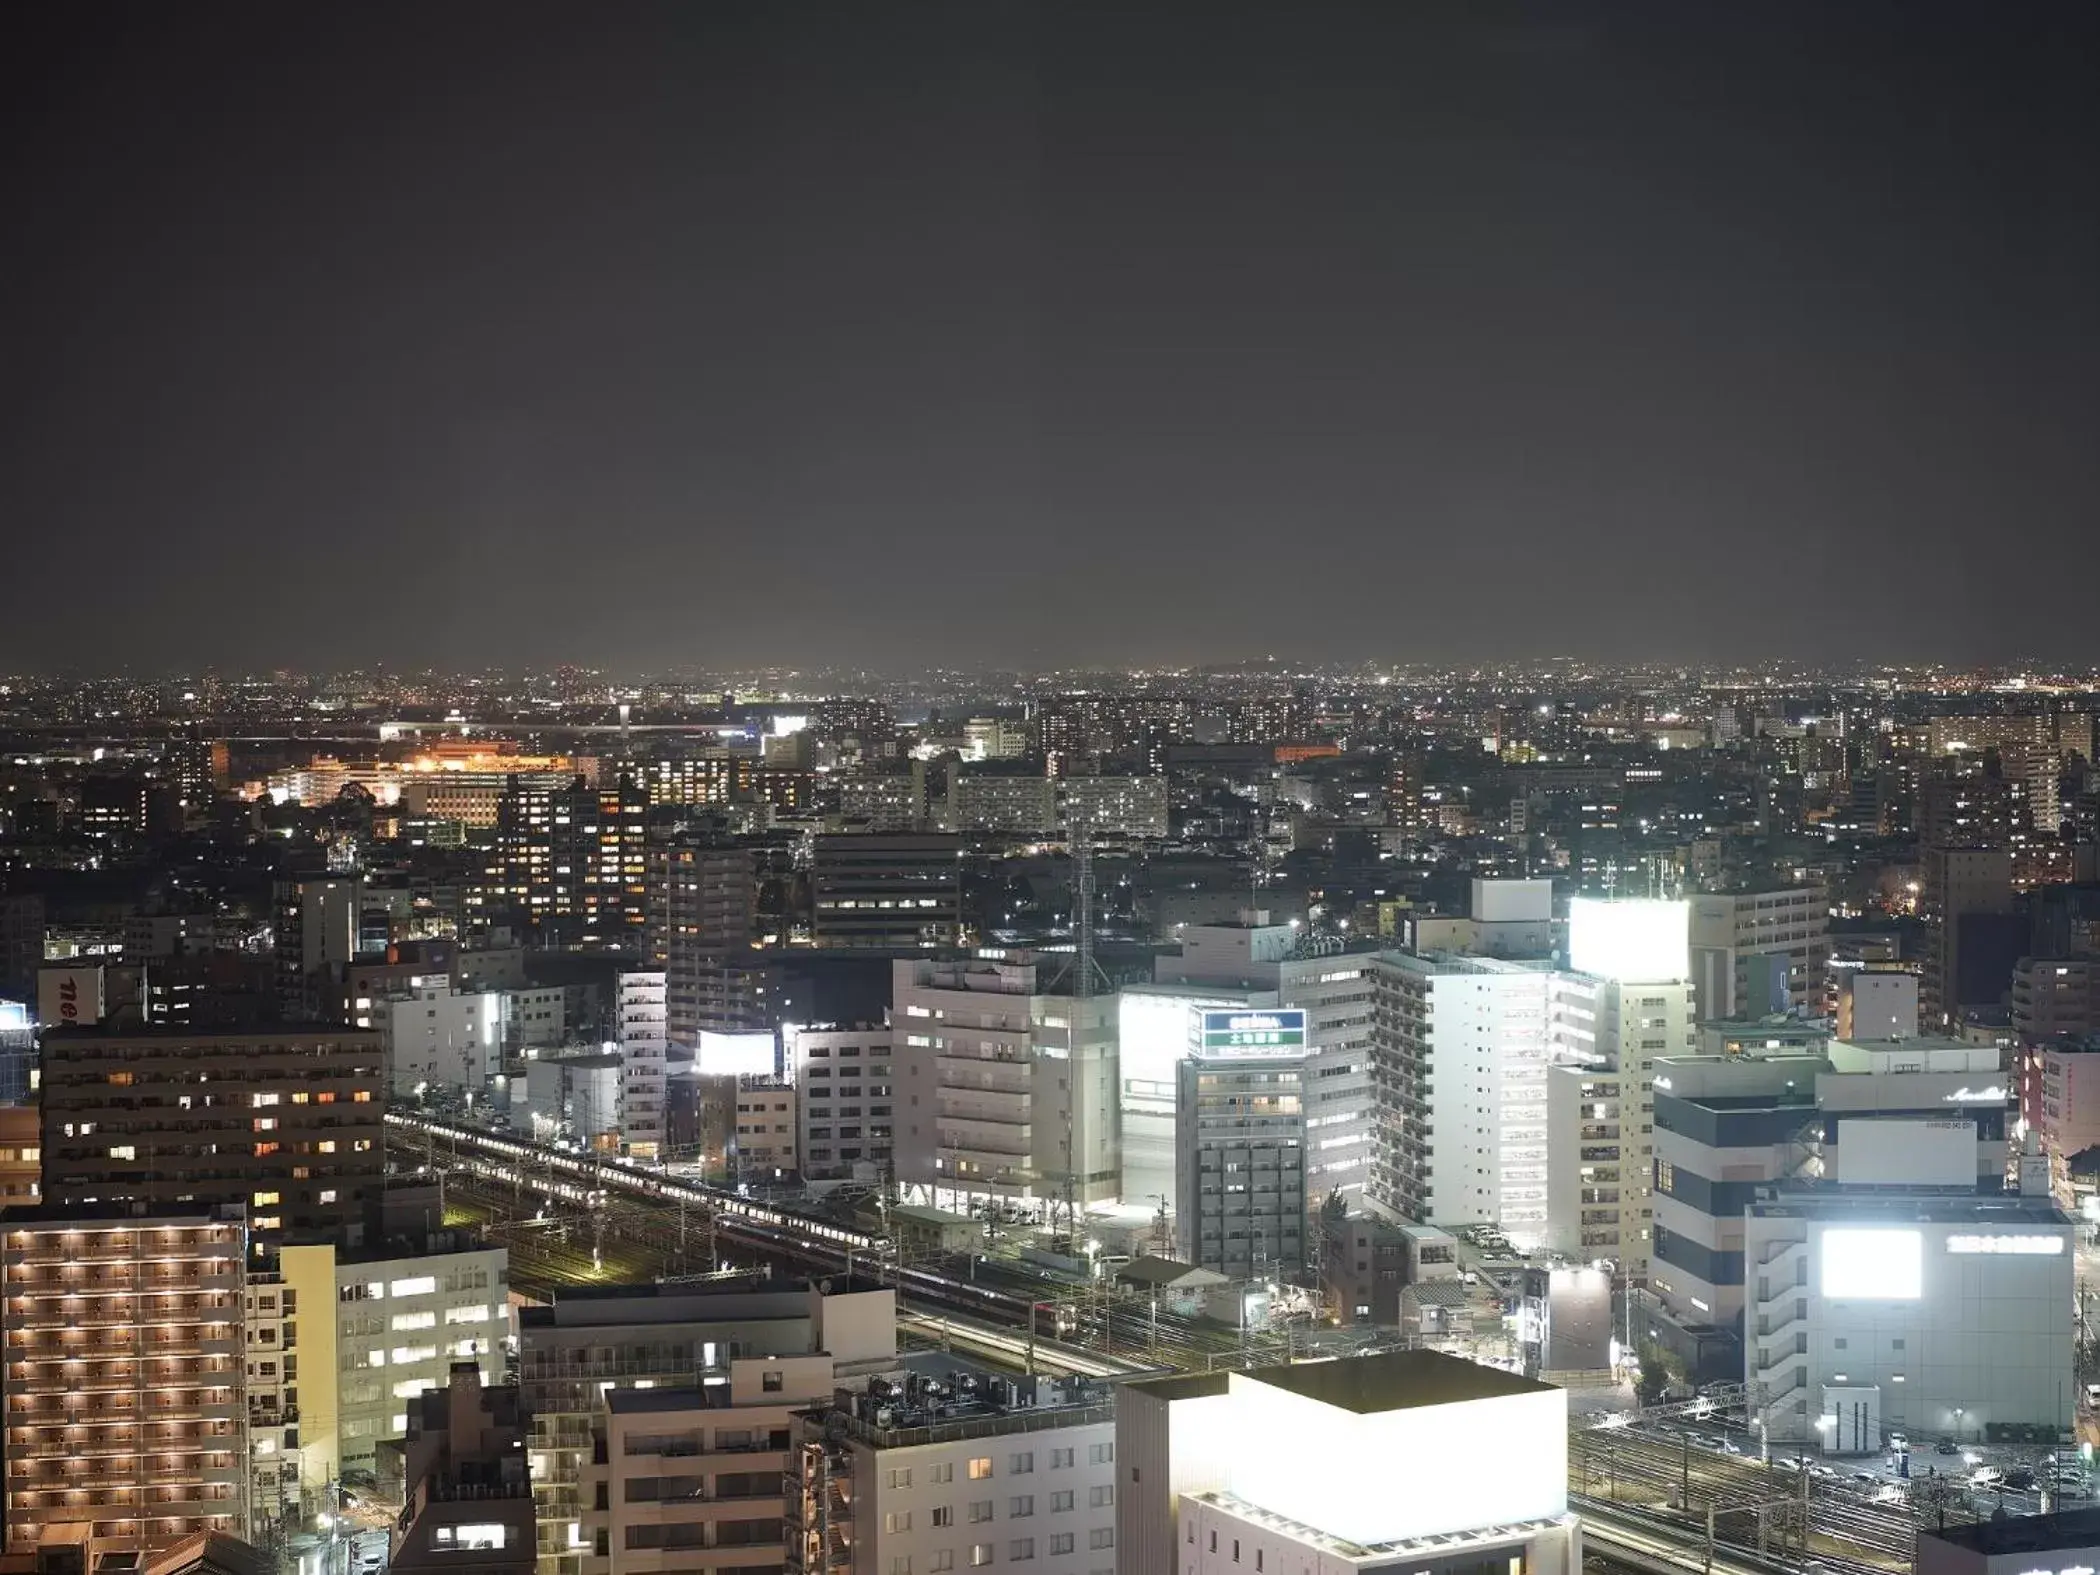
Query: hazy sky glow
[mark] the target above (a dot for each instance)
(649, 334)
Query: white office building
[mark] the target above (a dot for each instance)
(1943, 1316)
(1156, 1025)
(1627, 1002)
(437, 1038)
(398, 1326)
(845, 1101)
(1345, 1467)
(1261, 963)
(1007, 1090)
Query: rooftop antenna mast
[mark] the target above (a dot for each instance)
(1085, 975)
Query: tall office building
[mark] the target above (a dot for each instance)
(125, 1335)
(887, 890)
(316, 933)
(382, 1326)
(702, 921)
(1332, 985)
(1240, 1149)
(286, 1123)
(1963, 889)
(1626, 1001)
(845, 1101)
(1758, 952)
(1007, 1089)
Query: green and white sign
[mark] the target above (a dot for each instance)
(1277, 1032)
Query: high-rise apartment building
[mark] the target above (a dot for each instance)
(572, 857)
(1459, 1056)
(125, 1337)
(1114, 809)
(1758, 952)
(703, 919)
(1007, 1088)
(1001, 804)
(285, 1123)
(892, 891)
(639, 1022)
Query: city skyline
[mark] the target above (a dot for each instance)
(1038, 338)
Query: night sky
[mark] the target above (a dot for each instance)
(887, 334)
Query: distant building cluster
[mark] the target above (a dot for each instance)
(1526, 1028)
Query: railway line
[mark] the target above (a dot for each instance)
(1647, 1500)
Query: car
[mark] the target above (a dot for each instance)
(1946, 1446)
(1866, 1478)
(1986, 1476)
(2020, 1479)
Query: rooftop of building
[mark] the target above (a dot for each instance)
(2074, 1528)
(662, 1302)
(1405, 1553)
(107, 1215)
(937, 1397)
(131, 1029)
(1906, 1205)
(1365, 1385)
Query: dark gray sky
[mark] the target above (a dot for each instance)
(892, 333)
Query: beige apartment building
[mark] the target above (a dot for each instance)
(124, 1384)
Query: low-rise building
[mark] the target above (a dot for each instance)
(383, 1329)
(466, 1499)
(1943, 1315)
(937, 1466)
(765, 1130)
(1344, 1466)
(845, 1101)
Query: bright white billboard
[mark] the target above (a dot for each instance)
(1636, 941)
(1900, 1153)
(734, 1055)
(1878, 1263)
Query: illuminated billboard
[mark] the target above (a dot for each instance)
(1635, 941)
(1879, 1264)
(1277, 1032)
(734, 1055)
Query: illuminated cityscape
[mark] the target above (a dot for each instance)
(929, 788)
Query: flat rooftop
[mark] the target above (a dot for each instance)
(1921, 1207)
(2076, 1528)
(1366, 1385)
